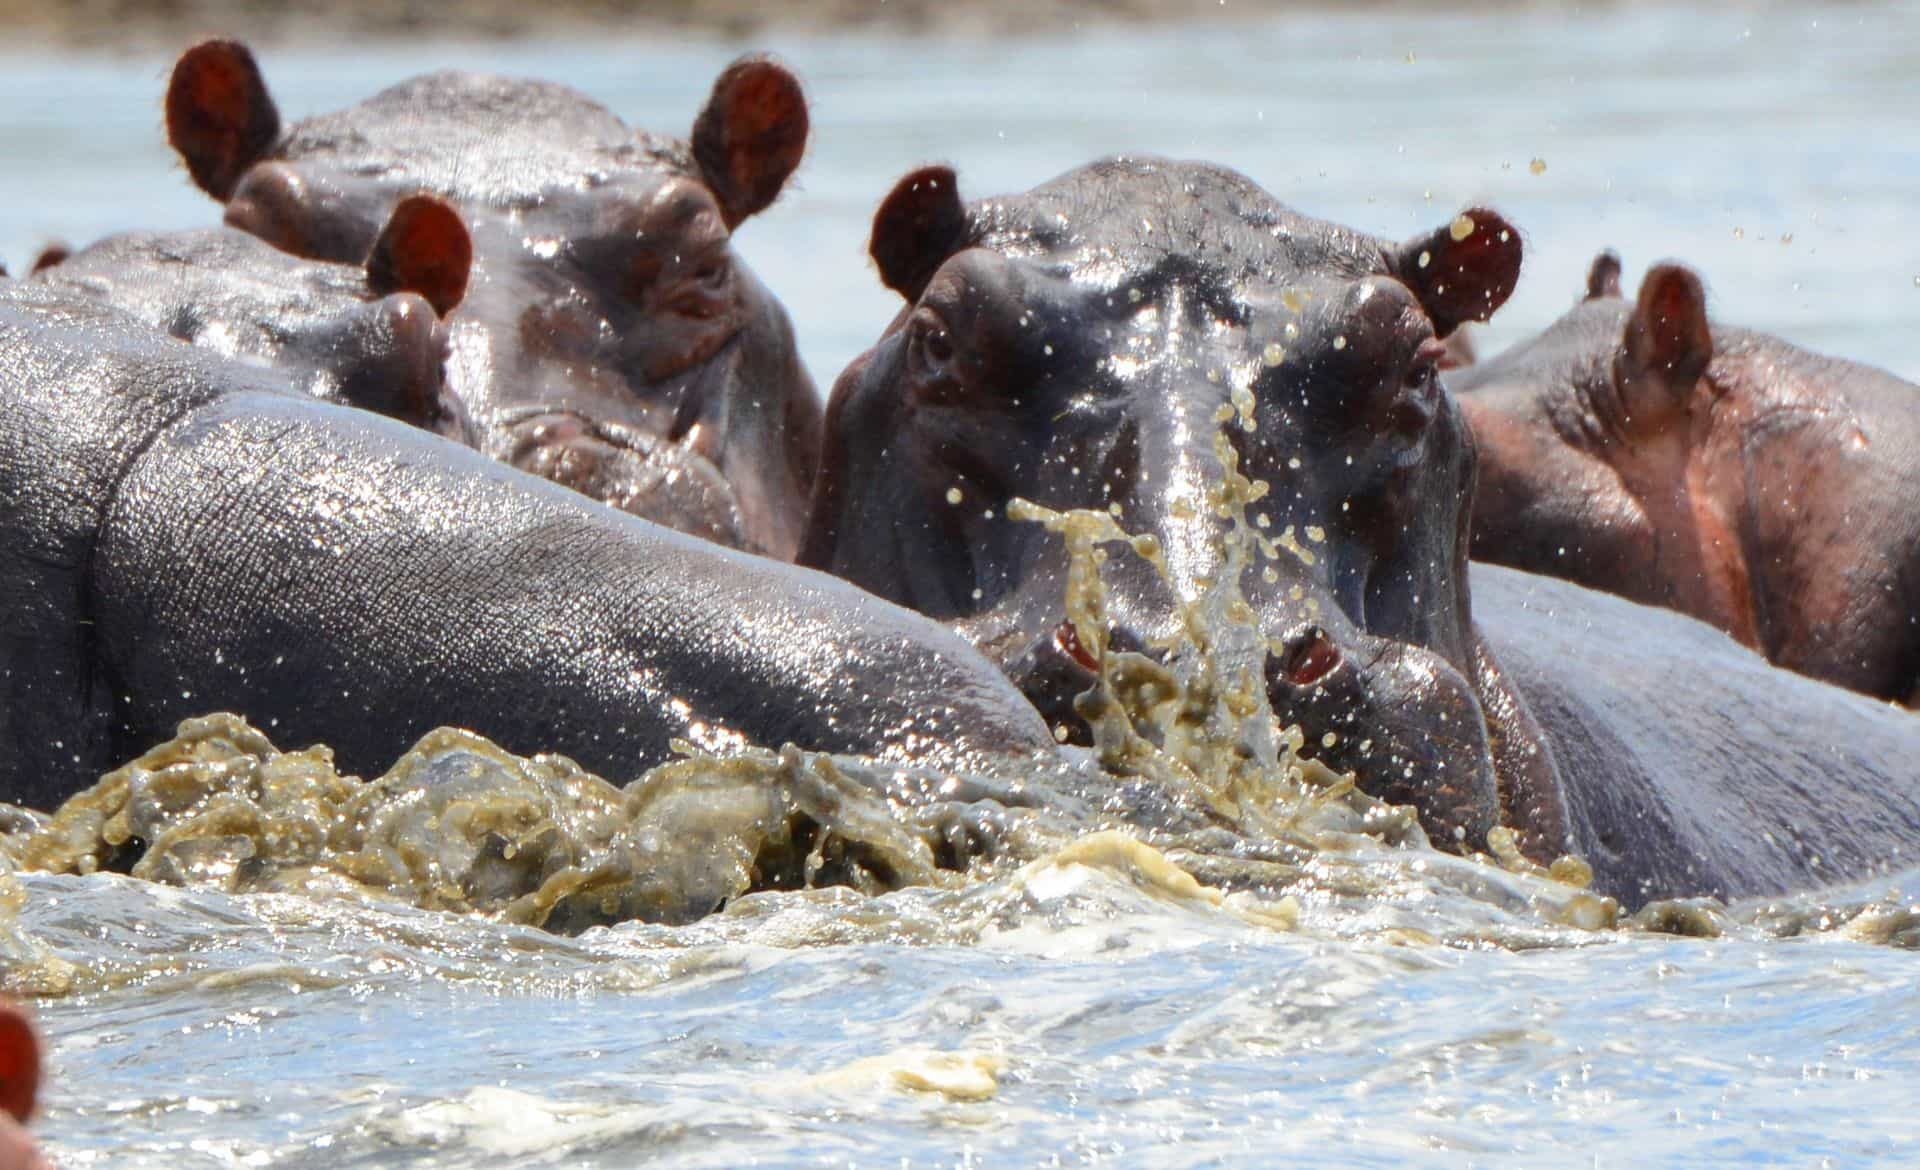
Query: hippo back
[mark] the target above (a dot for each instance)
(183, 534)
(1693, 766)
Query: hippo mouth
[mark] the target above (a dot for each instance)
(677, 483)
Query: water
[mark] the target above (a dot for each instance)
(1076, 1002)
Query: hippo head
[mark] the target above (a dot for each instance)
(367, 335)
(1585, 433)
(611, 339)
(1080, 345)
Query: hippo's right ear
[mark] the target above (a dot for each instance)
(219, 115)
(919, 225)
(1603, 279)
(1463, 271)
(1667, 342)
(423, 249)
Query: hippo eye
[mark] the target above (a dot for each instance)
(712, 274)
(930, 344)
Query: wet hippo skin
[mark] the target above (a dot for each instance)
(185, 534)
(366, 335)
(610, 338)
(1080, 344)
(1641, 449)
(1076, 345)
(1691, 765)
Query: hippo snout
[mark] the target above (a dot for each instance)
(671, 483)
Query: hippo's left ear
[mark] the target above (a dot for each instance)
(919, 225)
(424, 249)
(1463, 271)
(219, 115)
(750, 136)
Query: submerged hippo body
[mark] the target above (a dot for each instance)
(366, 336)
(1078, 346)
(1692, 766)
(1639, 449)
(610, 338)
(185, 534)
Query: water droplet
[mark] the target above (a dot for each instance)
(1538, 166)
(1273, 355)
(1461, 227)
(1426, 258)
(953, 495)
(1340, 342)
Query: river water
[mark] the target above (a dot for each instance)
(1079, 999)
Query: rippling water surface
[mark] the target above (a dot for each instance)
(1081, 1001)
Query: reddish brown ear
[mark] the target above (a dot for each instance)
(1463, 271)
(1603, 279)
(19, 1063)
(750, 136)
(1667, 343)
(219, 115)
(423, 249)
(919, 224)
(51, 256)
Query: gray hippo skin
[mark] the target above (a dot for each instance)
(1075, 345)
(183, 534)
(1640, 449)
(610, 339)
(1692, 766)
(365, 335)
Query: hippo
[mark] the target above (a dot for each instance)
(610, 338)
(1643, 450)
(1079, 345)
(186, 533)
(366, 335)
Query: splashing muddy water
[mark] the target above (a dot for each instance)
(1079, 972)
(1188, 945)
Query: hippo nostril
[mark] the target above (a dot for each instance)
(1067, 641)
(1309, 657)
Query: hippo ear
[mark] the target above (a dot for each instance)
(1463, 271)
(1667, 342)
(1603, 279)
(920, 224)
(51, 256)
(219, 115)
(423, 249)
(750, 136)
(19, 1063)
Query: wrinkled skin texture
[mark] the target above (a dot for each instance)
(1697, 768)
(611, 339)
(320, 324)
(185, 534)
(1075, 346)
(1635, 448)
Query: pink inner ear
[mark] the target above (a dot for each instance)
(1671, 315)
(425, 249)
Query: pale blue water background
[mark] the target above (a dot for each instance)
(1130, 1031)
